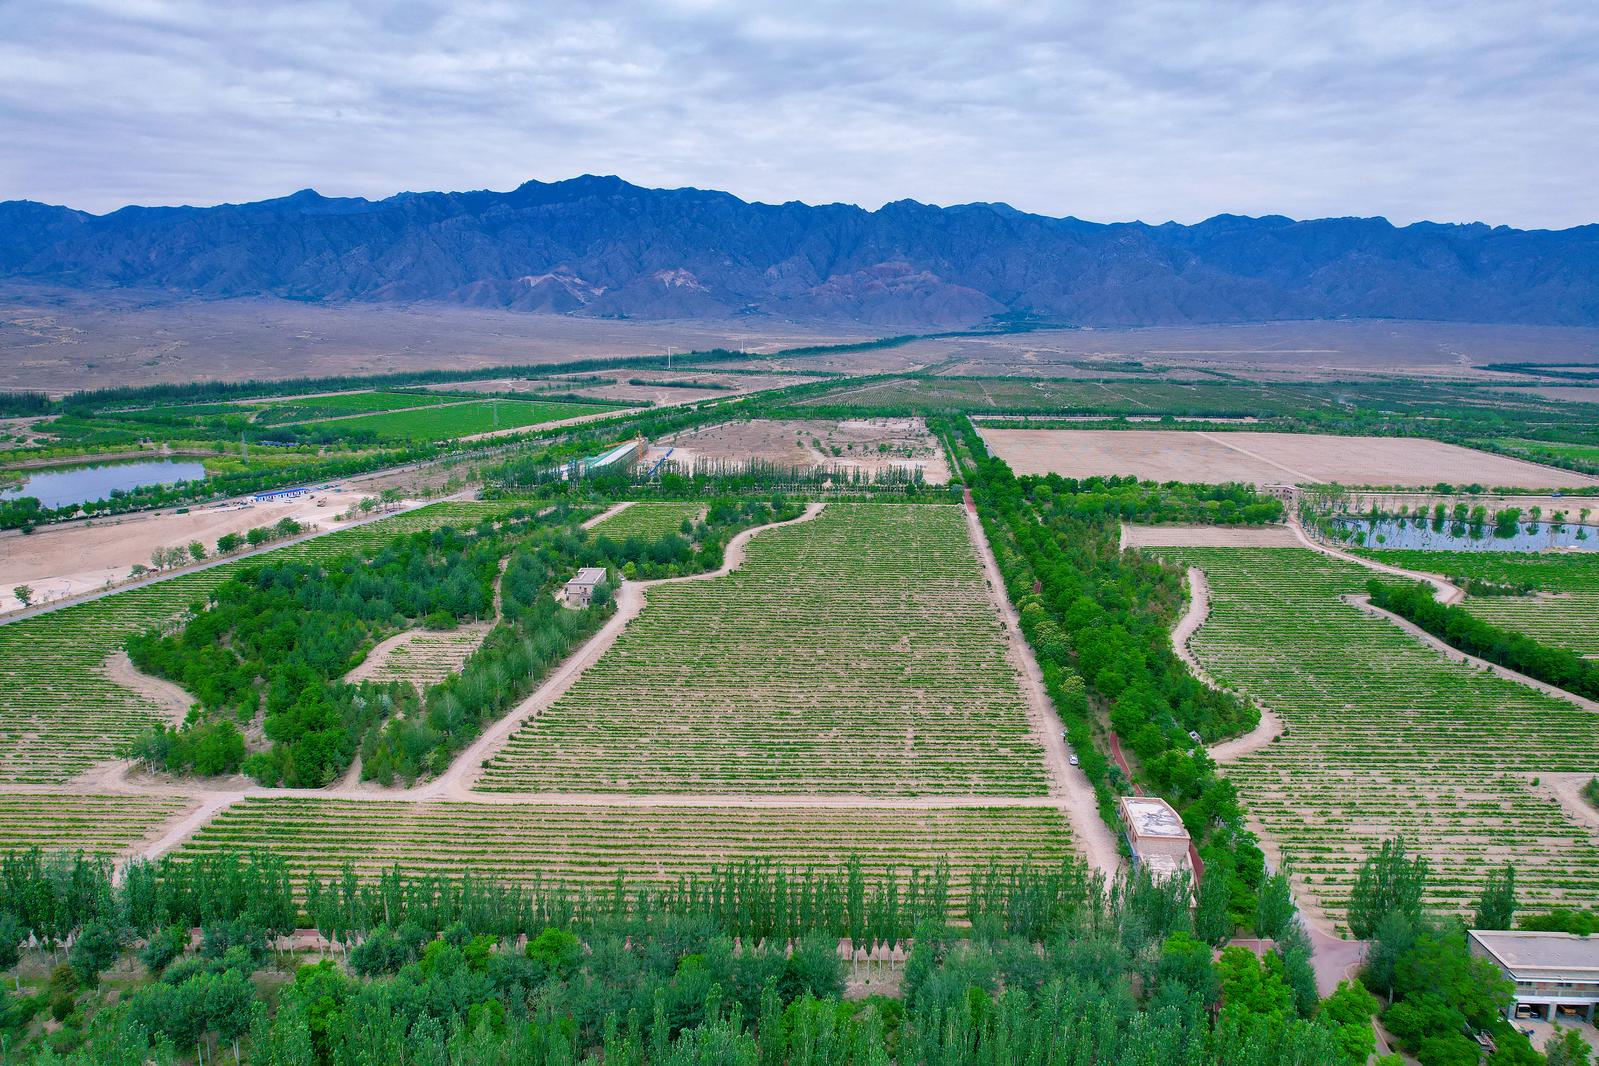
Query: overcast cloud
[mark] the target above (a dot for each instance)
(1112, 111)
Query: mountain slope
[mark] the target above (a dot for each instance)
(600, 246)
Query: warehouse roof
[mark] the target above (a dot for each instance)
(1148, 816)
(1530, 954)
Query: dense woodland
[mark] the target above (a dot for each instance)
(749, 964)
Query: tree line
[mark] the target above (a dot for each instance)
(1459, 628)
(462, 972)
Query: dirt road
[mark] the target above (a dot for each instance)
(1070, 788)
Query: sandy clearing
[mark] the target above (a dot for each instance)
(65, 560)
(1069, 788)
(1266, 458)
(1136, 536)
(1566, 790)
(848, 444)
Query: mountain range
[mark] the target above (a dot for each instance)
(601, 246)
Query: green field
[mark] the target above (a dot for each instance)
(1543, 449)
(97, 824)
(60, 714)
(1563, 609)
(649, 521)
(588, 845)
(462, 419)
(857, 652)
(1387, 738)
(306, 408)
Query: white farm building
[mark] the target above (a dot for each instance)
(579, 591)
(1156, 835)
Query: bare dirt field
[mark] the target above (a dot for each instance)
(1274, 350)
(1265, 458)
(1208, 537)
(1565, 393)
(622, 389)
(869, 445)
(58, 340)
(65, 560)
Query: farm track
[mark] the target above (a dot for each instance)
(1271, 727)
(1069, 786)
(1390, 738)
(200, 810)
(1445, 592)
(1363, 601)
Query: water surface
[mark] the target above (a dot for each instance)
(80, 484)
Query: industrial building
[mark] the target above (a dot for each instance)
(1556, 974)
(1156, 836)
(580, 590)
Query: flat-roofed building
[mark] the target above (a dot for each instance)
(580, 590)
(1556, 974)
(1156, 836)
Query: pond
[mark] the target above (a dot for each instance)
(80, 484)
(1458, 536)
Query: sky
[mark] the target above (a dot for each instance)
(1478, 110)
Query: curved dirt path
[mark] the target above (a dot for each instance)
(1566, 789)
(1450, 652)
(1070, 789)
(1444, 592)
(171, 698)
(464, 771)
(1271, 727)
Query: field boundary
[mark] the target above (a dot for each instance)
(1454, 654)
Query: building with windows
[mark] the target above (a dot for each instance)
(1556, 974)
(580, 590)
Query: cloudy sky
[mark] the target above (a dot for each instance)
(1476, 110)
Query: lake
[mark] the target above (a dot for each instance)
(1456, 536)
(80, 484)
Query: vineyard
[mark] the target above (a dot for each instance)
(588, 845)
(1387, 738)
(97, 824)
(857, 652)
(442, 422)
(59, 715)
(1562, 608)
(649, 520)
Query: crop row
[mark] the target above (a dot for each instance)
(462, 419)
(588, 845)
(857, 652)
(650, 520)
(1561, 610)
(59, 712)
(99, 824)
(1386, 736)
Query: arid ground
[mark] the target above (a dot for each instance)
(59, 342)
(870, 445)
(1266, 458)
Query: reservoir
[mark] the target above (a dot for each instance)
(80, 484)
(1459, 536)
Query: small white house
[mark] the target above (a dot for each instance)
(580, 590)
